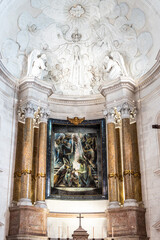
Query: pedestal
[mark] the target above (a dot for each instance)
(27, 222)
(126, 223)
(80, 234)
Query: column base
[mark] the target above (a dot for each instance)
(114, 204)
(130, 203)
(24, 202)
(26, 221)
(29, 237)
(40, 204)
(126, 223)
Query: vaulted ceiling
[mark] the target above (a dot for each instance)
(82, 43)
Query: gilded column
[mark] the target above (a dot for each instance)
(128, 163)
(41, 172)
(35, 164)
(120, 168)
(112, 160)
(18, 164)
(137, 174)
(27, 154)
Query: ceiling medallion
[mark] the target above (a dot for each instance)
(77, 11)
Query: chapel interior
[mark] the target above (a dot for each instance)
(80, 119)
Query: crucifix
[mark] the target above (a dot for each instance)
(80, 219)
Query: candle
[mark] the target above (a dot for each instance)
(93, 232)
(59, 232)
(67, 232)
(112, 233)
(102, 232)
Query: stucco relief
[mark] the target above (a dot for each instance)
(84, 44)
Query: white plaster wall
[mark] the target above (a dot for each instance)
(7, 148)
(64, 227)
(149, 149)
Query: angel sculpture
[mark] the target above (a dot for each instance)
(37, 64)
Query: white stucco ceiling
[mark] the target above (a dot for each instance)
(78, 45)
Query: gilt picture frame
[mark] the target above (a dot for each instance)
(76, 160)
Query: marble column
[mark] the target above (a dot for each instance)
(120, 168)
(35, 164)
(137, 174)
(41, 171)
(128, 162)
(112, 160)
(27, 154)
(18, 164)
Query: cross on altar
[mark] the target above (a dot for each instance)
(80, 219)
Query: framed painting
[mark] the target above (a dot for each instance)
(76, 160)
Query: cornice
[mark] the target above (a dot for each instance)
(30, 82)
(117, 85)
(81, 101)
(7, 78)
(151, 75)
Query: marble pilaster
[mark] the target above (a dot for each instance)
(128, 161)
(27, 154)
(41, 171)
(18, 164)
(120, 167)
(137, 174)
(35, 165)
(112, 159)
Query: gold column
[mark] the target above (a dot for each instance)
(27, 154)
(35, 164)
(137, 174)
(112, 160)
(18, 164)
(120, 169)
(127, 157)
(41, 172)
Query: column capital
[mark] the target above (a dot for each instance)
(126, 110)
(43, 115)
(28, 109)
(110, 115)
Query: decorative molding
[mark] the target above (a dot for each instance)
(157, 171)
(1, 224)
(30, 82)
(157, 225)
(69, 101)
(116, 85)
(76, 121)
(151, 75)
(11, 81)
(74, 215)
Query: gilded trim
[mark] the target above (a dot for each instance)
(43, 175)
(128, 172)
(26, 172)
(111, 175)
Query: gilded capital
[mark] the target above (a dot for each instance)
(110, 115)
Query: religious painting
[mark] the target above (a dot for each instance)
(76, 163)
